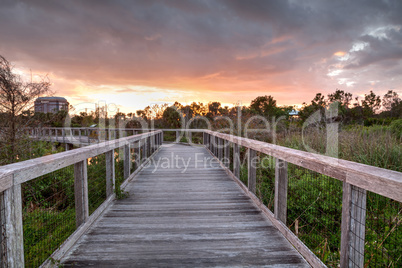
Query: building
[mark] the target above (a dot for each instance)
(50, 104)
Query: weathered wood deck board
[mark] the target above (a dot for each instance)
(186, 215)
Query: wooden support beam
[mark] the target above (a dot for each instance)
(127, 161)
(110, 174)
(81, 192)
(177, 136)
(281, 190)
(220, 149)
(137, 155)
(236, 160)
(144, 154)
(353, 226)
(11, 219)
(252, 162)
(226, 155)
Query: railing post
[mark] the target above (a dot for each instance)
(137, 153)
(177, 136)
(190, 137)
(149, 146)
(63, 133)
(81, 192)
(281, 190)
(110, 176)
(12, 220)
(144, 149)
(252, 157)
(215, 146)
(236, 160)
(220, 149)
(353, 226)
(127, 161)
(226, 155)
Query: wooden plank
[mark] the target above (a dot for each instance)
(251, 165)
(189, 219)
(81, 192)
(281, 190)
(110, 173)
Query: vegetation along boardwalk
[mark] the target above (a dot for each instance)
(183, 211)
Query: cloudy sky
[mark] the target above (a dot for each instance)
(136, 53)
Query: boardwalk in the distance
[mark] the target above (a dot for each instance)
(183, 217)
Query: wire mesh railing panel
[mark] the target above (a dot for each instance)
(48, 211)
(314, 212)
(383, 239)
(3, 237)
(96, 182)
(265, 180)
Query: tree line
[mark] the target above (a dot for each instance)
(17, 97)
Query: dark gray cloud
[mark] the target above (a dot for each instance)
(229, 44)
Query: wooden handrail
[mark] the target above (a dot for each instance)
(357, 180)
(21, 172)
(377, 180)
(13, 175)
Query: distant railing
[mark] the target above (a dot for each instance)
(85, 135)
(336, 194)
(43, 199)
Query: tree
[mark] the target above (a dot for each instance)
(344, 100)
(392, 104)
(264, 105)
(171, 117)
(371, 103)
(16, 96)
(318, 103)
(213, 109)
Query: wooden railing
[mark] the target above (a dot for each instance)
(14, 175)
(87, 135)
(357, 179)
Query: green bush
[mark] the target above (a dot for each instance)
(396, 128)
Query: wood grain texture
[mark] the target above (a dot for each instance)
(281, 190)
(21, 172)
(378, 180)
(189, 213)
(81, 192)
(251, 168)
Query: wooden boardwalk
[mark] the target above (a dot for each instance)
(183, 217)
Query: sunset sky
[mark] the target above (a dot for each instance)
(138, 53)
